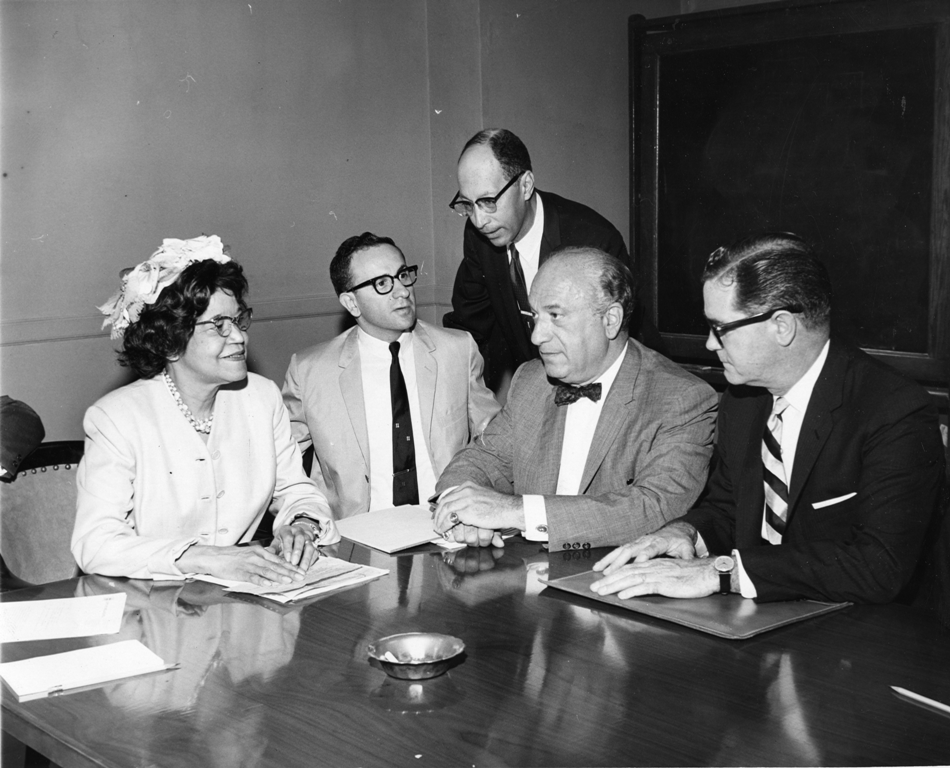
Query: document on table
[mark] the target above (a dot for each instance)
(67, 672)
(730, 616)
(326, 574)
(64, 617)
(391, 530)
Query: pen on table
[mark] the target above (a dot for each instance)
(59, 690)
(922, 700)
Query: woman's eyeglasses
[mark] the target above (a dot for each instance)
(224, 324)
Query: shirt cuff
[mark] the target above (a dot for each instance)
(701, 549)
(746, 587)
(535, 518)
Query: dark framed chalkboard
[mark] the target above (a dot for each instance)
(827, 119)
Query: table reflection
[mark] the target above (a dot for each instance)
(548, 678)
(228, 653)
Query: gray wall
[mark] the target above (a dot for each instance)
(284, 126)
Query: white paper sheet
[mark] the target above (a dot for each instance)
(390, 530)
(325, 575)
(59, 673)
(65, 617)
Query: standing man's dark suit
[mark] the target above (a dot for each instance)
(869, 458)
(483, 302)
(504, 245)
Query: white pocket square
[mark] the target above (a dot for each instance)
(835, 500)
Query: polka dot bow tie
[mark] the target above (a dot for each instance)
(565, 394)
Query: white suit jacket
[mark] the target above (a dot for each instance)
(149, 487)
(323, 392)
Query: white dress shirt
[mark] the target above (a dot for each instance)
(792, 417)
(579, 427)
(375, 362)
(529, 246)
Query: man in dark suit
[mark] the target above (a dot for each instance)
(600, 441)
(829, 462)
(511, 228)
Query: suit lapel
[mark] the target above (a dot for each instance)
(818, 421)
(427, 369)
(750, 490)
(617, 411)
(547, 458)
(351, 387)
(551, 238)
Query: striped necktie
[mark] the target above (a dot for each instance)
(520, 287)
(776, 485)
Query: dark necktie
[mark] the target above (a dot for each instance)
(520, 287)
(773, 473)
(405, 487)
(565, 394)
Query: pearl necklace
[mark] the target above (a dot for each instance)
(203, 426)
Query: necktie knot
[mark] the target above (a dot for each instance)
(565, 394)
(394, 349)
(779, 406)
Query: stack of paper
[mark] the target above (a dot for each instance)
(67, 672)
(325, 575)
(391, 530)
(65, 617)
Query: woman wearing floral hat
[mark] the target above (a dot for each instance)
(181, 465)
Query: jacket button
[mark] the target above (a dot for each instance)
(576, 545)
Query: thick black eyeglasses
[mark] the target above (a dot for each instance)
(224, 324)
(721, 329)
(384, 284)
(486, 204)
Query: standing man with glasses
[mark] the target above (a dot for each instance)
(388, 403)
(511, 228)
(829, 463)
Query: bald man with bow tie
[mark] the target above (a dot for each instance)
(599, 438)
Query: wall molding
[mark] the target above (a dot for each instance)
(58, 329)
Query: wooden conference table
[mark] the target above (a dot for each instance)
(548, 679)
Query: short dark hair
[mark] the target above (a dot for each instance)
(510, 152)
(164, 328)
(340, 265)
(607, 273)
(773, 270)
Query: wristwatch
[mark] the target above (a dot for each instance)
(315, 528)
(724, 566)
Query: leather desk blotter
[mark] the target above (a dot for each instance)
(730, 616)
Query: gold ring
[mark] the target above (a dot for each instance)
(454, 518)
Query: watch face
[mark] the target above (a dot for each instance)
(724, 564)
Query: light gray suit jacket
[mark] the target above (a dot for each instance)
(647, 462)
(323, 392)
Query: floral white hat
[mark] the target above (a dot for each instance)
(143, 284)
